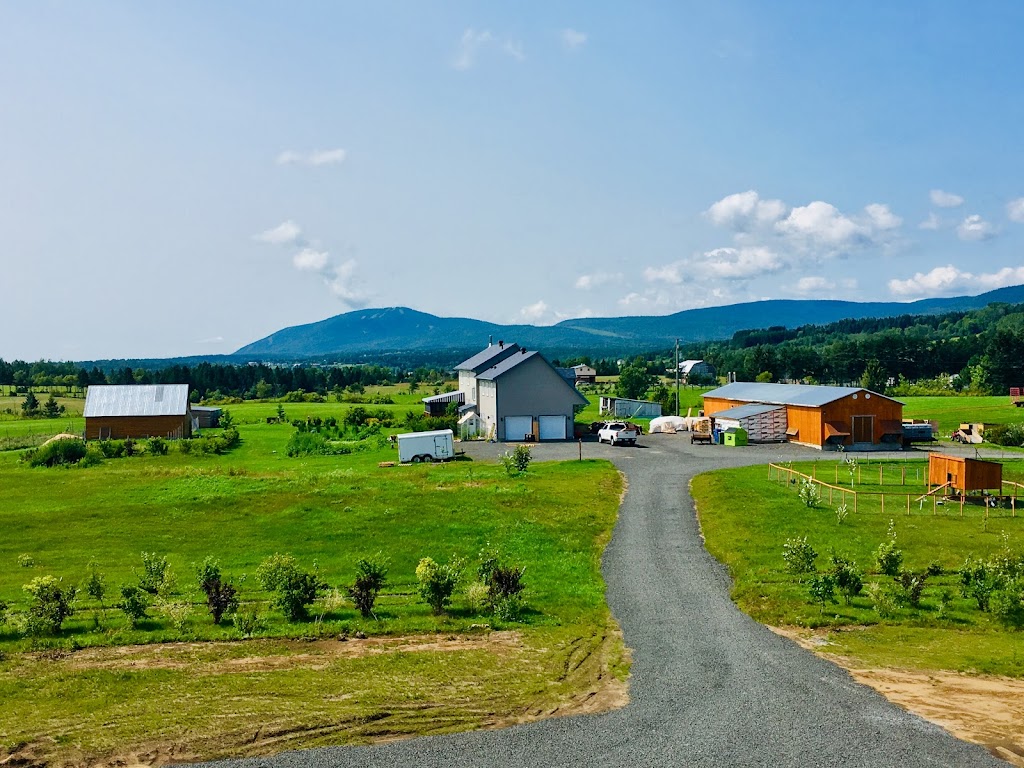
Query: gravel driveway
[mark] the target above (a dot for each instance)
(709, 686)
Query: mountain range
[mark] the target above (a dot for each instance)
(400, 329)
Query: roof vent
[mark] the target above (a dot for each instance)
(501, 344)
(158, 395)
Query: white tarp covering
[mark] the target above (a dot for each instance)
(668, 425)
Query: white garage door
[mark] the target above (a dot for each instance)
(552, 428)
(518, 427)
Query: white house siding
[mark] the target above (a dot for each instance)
(487, 407)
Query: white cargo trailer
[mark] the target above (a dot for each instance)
(426, 446)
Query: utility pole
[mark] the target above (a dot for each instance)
(677, 377)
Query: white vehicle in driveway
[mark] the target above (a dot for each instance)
(617, 432)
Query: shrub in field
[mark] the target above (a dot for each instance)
(308, 444)
(93, 456)
(95, 583)
(1007, 603)
(49, 604)
(437, 582)
(371, 576)
(294, 589)
(517, 460)
(883, 599)
(226, 419)
(70, 450)
(1011, 435)
(504, 584)
(842, 512)
(26, 561)
(156, 446)
(799, 556)
(221, 594)
(822, 589)
(111, 449)
(848, 578)
(911, 587)
(176, 611)
(130, 447)
(154, 572)
(978, 580)
(248, 622)
(3, 612)
(478, 596)
(889, 557)
(809, 493)
(134, 603)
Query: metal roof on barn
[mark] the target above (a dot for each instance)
(506, 365)
(136, 400)
(813, 395)
(745, 411)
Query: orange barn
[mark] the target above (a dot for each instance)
(819, 416)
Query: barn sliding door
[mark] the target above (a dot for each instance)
(863, 429)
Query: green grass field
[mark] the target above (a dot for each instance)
(256, 501)
(747, 519)
(950, 412)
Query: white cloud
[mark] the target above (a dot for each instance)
(534, 312)
(814, 285)
(597, 279)
(743, 210)
(514, 49)
(312, 159)
(572, 39)
(310, 260)
(945, 199)
(212, 340)
(473, 42)
(881, 217)
(1015, 210)
(718, 264)
(339, 279)
(820, 224)
(948, 280)
(975, 228)
(285, 233)
(932, 222)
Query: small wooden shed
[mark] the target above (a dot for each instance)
(117, 411)
(963, 474)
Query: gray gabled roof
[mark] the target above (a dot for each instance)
(136, 400)
(506, 365)
(785, 394)
(484, 359)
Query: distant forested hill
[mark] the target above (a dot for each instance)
(400, 329)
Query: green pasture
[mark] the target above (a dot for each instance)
(747, 519)
(950, 412)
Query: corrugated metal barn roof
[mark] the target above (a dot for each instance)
(785, 394)
(743, 411)
(506, 365)
(136, 400)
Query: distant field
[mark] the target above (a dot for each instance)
(950, 412)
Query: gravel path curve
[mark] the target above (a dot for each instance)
(709, 686)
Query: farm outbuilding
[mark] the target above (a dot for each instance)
(584, 374)
(206, 417)
(762, 423)
(816, 416)
(625, 408)
(437, 405)
(137, 410)
(963, 474)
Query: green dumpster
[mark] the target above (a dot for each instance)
(735, 436)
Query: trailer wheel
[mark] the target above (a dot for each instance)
(417, 459)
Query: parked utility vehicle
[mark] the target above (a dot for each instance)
(426, 446)
(617, 432)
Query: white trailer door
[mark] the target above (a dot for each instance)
(518, 427)
(552, 428)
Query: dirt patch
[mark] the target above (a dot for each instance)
(588, 682)
(983, 709)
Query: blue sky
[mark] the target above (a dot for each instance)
(186, 178)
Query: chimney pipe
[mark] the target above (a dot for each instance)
(501, 344)
(490, 341)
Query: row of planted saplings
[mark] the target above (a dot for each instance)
(497, 589)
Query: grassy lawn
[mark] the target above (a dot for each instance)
(950, 412)
(747, 520)
(202, 689)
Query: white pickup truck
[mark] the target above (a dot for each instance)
(617, 432)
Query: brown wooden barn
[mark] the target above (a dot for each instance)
(963, 475)
(818, 416)
(114, 412)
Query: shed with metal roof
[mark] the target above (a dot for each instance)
(819, 416)
(118, 411)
